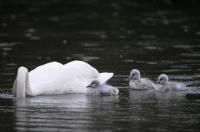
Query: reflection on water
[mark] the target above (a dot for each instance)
(134, 110)
(114, 36)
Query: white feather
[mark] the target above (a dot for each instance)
(104, 77)
(56, 78)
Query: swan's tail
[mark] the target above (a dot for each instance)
(21, 86)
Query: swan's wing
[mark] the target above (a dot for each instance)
(77, 75)
(43, 75)
(104, 77)
(46, 68)
(45, 72)
(81, 70)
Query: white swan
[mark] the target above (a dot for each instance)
(135, 82)
(96, 88)
(56, 78)
(165, 85)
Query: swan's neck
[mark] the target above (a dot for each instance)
(21, 82)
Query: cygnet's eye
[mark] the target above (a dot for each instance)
(94, 84)
(161, 79)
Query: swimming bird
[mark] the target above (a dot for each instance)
(165, 85)
(136, 82)
(96, 88)
(56, 78)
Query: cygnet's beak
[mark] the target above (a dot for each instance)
(89, 86)
(130, 78)
(157, 82)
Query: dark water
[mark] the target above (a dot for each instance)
(153, 36)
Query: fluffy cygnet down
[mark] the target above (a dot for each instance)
(136, 82)
(95, 88)
(165, 85)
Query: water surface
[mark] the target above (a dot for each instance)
(155, 37)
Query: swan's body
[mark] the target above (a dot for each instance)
(165, 85)
(56, 78)
(135, 82)
(95, 88)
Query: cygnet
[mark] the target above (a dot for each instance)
(95, 88)
(136, 82)
(165, 85)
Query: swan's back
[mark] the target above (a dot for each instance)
(44, 72)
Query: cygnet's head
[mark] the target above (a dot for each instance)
(134, 74)
(94, 84)
(163, 79)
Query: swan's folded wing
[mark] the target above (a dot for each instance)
(42, 75)
(104, 77)
(81, 70)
